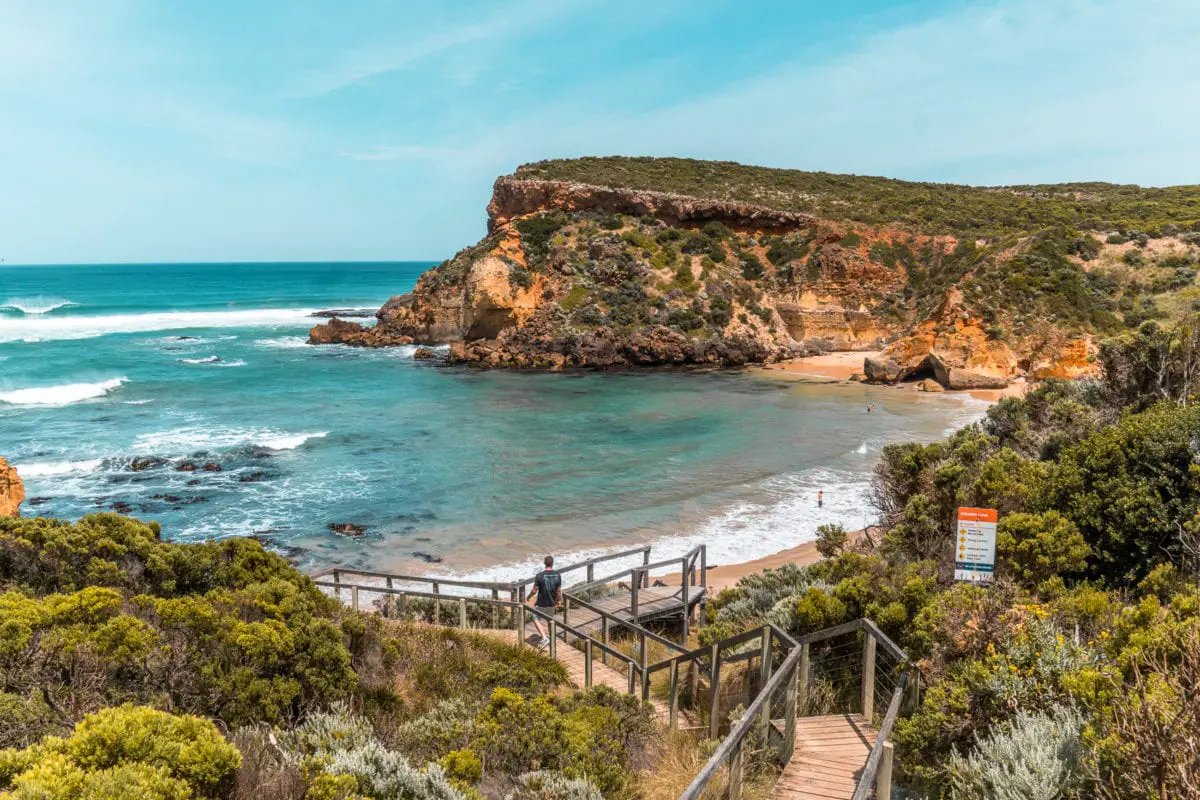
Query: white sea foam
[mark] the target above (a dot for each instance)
(205, 360)
(290, 442)
(283, 342)
(237, 363)
(188, 439)
(45, 469)
(50, 327)
(138, 402)
(61, 395)
(36, 305)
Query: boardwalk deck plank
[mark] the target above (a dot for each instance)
(830, 754)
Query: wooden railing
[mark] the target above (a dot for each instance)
(521, 614)
(786, 688)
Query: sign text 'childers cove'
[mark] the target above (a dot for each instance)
(975, 545)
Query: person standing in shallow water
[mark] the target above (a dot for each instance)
(546, 596)
(820, 499)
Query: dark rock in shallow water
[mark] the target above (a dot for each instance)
(424, 354)
(147, 462)
(185, 339)
(253, 477)
(344, 312)
(347, 528)
(186, 466)
(37, 501)
(422, 539)
(121, 507)
(194, 482)
(213, 467)
(167, 498)
(428, 558)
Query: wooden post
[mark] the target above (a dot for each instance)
(764, 676)
(337, 584)
(605, 638)
(634, 588)
(389, 582)
(646, 556)
(587, 663)
(645, 682)
(883, 778)
(403, 603)
(553, 627)
(673, 695)
(591, 572)
(462, 612)
(694, 682)
(735, 772)
(390, 607)
(802, 678)
(520, 612)
(714, 719)
(704, 566)
(868, 677)
(687, 608)
(495, 608)
(566, 610)
(437, 606)
(643, 656)
(788, 745)
(354, 597)
(512, 597)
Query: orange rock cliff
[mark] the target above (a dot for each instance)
(12, 491)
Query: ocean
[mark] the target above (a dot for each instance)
(185, 393)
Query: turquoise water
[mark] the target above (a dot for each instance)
(206, 364)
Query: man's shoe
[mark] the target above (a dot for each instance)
(544, 643)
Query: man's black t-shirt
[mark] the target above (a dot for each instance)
(547, 583)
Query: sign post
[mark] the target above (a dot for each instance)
(975, 545)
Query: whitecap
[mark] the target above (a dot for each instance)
(237, 363)
(61, 395)
(862, 449)
(36, 305)
(290, 442)
(192, 438)
(138, 402)
(44, 469)
(284, 342)
(50, 327)
(205, 360)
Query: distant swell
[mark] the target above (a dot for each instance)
(61, 395)
(45, 469)
(45, 328)
(36, 305)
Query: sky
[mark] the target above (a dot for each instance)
(297, 130)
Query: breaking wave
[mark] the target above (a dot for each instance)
(61, 395)
(46, 328)
(36, 305)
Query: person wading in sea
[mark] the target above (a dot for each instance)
(546, 596)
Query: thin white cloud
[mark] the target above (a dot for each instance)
(371, 61)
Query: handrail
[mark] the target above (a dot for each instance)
(692, 556)
(866, 781)
(509, 604)
(627, 623)
(591, 562)
(337, 571)
(725, 751)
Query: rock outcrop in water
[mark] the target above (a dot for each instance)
(12, 491)
(579, 274)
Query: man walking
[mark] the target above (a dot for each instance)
(546, 596)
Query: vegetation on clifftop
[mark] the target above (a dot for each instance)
(934, 208)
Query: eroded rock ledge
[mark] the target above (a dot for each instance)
(12, 491)
(517, 197)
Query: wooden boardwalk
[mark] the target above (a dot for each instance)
(830, 754)
(655, 602)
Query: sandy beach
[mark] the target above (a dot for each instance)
(843, 366)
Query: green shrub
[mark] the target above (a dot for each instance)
(128, 749)
(1033, 756)
(549, 785)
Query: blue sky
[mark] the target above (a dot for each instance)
(169, 130)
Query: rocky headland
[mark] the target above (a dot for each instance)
(753, 266)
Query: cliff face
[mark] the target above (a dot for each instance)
(577, 274)
(12, 491)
